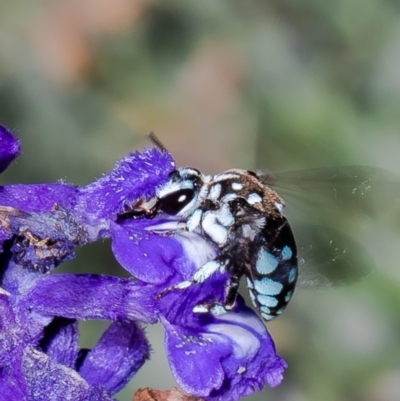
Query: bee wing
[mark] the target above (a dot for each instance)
(356, 190)
(328, 257)
(323, 206)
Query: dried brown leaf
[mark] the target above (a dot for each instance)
(149, 394)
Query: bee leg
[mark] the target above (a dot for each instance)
(207, 270)
(231, 291)
(201, 275)
(168, 232)
(217, 308)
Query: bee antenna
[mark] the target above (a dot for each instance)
(157, 142)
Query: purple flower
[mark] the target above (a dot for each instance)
(39, 354)
(9, 148)
(225, 358)
(215, 357)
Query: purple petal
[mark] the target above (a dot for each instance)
(9, 148)
(176, 306)
(235, 350)
(118, 355)
(195, 360)
(9, 336)
(135, 176)
(147, 257)
(191, 250)
(163, 261)
(39, 197)
(17, 281)
(60, 341)
(254, 361)
(33, 214)
(47, 380)
(12, 382)
(39, 210)
(91, 297)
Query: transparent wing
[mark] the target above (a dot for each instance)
(324, 207)
(355, 190)
(328, 257)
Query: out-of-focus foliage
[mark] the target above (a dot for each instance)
(288, 84)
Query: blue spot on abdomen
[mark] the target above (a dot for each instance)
(266, 286)
(266, 262)
(286, 253)
(292, 275)
(266, 300)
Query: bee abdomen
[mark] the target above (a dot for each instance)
(273, 275)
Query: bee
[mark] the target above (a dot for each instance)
(240, 214)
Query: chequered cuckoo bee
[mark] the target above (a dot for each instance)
(239, 213)
(243, 218)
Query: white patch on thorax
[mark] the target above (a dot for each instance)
(253, 198)
(194, 220)
(215, 231)
(236, 186)
(215, 192)
(225, 176)
(224, 216)
(229, 197)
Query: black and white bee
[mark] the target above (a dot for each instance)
(243, 217)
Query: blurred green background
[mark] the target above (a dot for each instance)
(283, 85)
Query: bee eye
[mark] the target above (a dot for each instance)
(173, 203)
